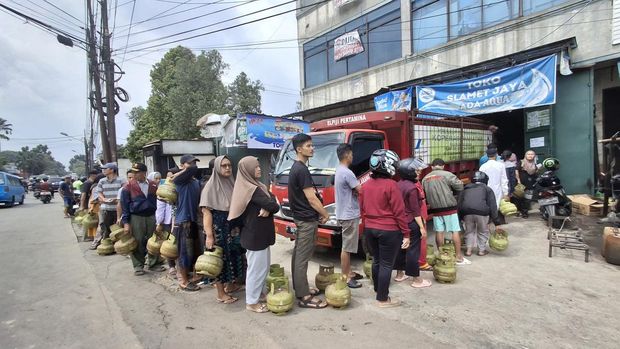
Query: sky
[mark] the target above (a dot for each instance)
(43, 84)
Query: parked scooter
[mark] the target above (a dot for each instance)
(552, 199)
(45, 197)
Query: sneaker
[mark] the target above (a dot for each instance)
(354, 284)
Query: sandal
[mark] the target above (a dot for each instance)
(426, 267)
(314, 291)
(401, 278)
(312, 303)
(465, 261)
(483, 253)
(190, 287)
(423, 284)
(138, 272)
(236, 289)
(389, 304)
(229, 300)
(468, 253)
(257, 308)
(357, 276)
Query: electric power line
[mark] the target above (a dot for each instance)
(127, 42)
(63, 11)
(222, 29)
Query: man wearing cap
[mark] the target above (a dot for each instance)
(498, 180)
(186, 220)
(66, 191)
(107, 191)
(139, 203)
(441, 187)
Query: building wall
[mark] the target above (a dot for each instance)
(593, 34)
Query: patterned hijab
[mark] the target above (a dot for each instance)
(218, 191)
(245, 186)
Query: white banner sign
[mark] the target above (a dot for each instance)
(340, 3)
(347, 45)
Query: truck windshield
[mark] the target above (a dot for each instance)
(324, 159)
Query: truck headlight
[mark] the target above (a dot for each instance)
(331, 210)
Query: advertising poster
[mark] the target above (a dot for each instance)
(394, 100)
(266, 132)
(348, 44)
(432, 142)
(525, 85)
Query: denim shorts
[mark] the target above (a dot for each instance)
(449, 223)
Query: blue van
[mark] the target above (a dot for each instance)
(11, 190)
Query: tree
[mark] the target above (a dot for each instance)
(244, 95)
(184, 87)
(5, 129)
(77, 164)
(8, 156)
(39, 160)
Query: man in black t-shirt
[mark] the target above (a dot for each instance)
(308, 211)
(86, 188)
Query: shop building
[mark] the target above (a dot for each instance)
(352, 51)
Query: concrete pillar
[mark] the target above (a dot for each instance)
(405, 20)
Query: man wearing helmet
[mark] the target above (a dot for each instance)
(441, 186)
(386, 229)
(476, 203)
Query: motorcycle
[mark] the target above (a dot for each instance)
(550, 194)
(45, 197)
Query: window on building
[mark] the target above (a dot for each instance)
(315, 62)
(465, 17)
(532, 6)
(429, 24)
(497, 11)
(380, 33)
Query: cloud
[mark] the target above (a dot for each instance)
(43, 84)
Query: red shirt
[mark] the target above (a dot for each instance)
(383, 206)
(422, 198)
(413, 207)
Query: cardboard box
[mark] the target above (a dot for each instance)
(585, 205)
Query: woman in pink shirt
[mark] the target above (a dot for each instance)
(386, 228)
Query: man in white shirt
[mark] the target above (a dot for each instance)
(498, 181)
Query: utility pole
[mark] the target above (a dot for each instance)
(96, 80)
(108, 63)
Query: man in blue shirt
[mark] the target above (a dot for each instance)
(186, 220)
(66, 190)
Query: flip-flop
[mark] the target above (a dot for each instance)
(261, 309)
(465, 261)
(157, 268)
(312, 303)
(314, 291)
(238, 289)
(230, 300)
(191, 287)
(401, 278)
(427, 267)
(389, 304)
(423, 284)
(483, 253)
(138, 272)
(468, 254)
(357, 276)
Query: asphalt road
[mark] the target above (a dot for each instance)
(58, 294)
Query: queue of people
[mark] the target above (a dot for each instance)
(235, 212)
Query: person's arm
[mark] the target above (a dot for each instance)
(353, 183)
(160, 213)
(416, 211)
(517, 175)
(492, 204)
(99, 192)
(207, 222)
(316, 204)
(455, 183)
(397, 205)
(264, 201)
(504, 182)
(184, 176)
(125, 203)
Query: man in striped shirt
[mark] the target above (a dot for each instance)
(107, 192)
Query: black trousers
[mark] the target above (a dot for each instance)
(408, 260)
(384, 246)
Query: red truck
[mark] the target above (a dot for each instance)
(460, 143)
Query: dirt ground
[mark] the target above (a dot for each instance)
(517, 299)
